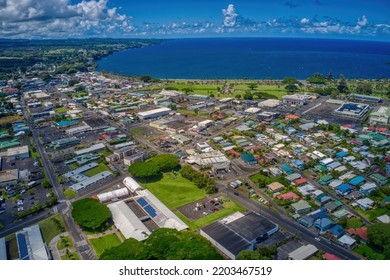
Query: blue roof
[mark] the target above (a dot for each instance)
(22, 245)
(247, 157)
(388, 168)
(323, 223)
(337, 230)
(298, 162)
(357, 180)
(286, 167)
(343, 188)
(341, 154)
(66, 123)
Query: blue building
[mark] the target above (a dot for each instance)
(248, 158)
(298, 164)
(341, 154)
(323, 224)
(343, 189)
(337, 231)
(286, 169)
(367, 188)
(357, 180)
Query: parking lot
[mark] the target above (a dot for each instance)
(203, 207)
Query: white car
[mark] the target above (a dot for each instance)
(317, 238)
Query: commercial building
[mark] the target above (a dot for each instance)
(303, 252)
(80, 170)
(43, 114)
(31, 245)
(127, 222)
(113, 195)
(8, 144)
(65, 143)
(296, 99)
(207, 159)
(131, 184)
(380, 116)
(269, 103)
(18, 152)
(93, 148)
(352, 110)
(9, 177)
(238, 232)
(154, 113)
(137, 157)
(91, 181)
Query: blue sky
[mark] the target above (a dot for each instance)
(358, 19)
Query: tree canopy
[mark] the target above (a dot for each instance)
(154, 166)
(379, 236)
(164, 244)
(90, 214)
(201, 180)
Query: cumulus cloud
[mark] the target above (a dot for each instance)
(305, 21)
(60, 18)
(362, 21)
(230, 16)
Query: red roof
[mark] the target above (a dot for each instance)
(387, 158)
(10, 90)
(233, 153)
(347, 125)
(289, 195)
(292, 117)
(382, 129)
(330, 257)
(361, 232)
(300, 181)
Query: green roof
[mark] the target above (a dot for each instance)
(320, 168)
(9, 144)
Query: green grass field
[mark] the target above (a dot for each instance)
(368, 252)
(272, 91)
(70, 257)
(98, 169)
(65, 242)
(105, 242)
(354, 222)
(105, 152)
(230, 207)
(69, 193)
(50, 228)
(174, 191)
(61, 110)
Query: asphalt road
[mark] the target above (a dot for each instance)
(293, 227)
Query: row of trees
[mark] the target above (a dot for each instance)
(201, 180)
(164, 244)
(154, 166)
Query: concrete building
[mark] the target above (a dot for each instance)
(18, 152)
(91, 181)
(303, 252)
(238, 232)
(65, 143)
(9, 177)
(269, 103)
(137, 157)
(296, 99)
(151, 114)
(31, 245)
(352, 110)
(380, 116)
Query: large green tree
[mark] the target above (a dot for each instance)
(166, 162)
(90, 214)
(142, 170)
(164, 244)
(379, 236)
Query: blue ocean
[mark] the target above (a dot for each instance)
(253, 58)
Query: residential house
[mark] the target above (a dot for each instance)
(322, 199)
(362, 232)
(301, 207)
(275, 187)
(367, 188)
(337, 231)
(343, 189)
(347, 241)
(323, 224)
(365, 203)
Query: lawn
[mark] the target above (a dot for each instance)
(74, 165)
(354, 222)
(368, 252)
(98, 169)
(174, 191)
(50, 228)
(105, 152)
(105, 242)
(65, 242)
(374, 213)
(70, 256)
(69, 193)
(266, 179)
(10, 119)
(230, 207)
(61, 110)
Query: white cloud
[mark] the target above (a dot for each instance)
(305, 21)
(230, 16)
(362, 21)
(60, 18)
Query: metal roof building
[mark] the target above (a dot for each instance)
(303, 253)
(91, 181)
(31, 245)
(131, 184)
(127, 222)
(113, 195)
(232, 235)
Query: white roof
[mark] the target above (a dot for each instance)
(17, 151)
(384, 219)
(90, 149)
(269, 103)
(91, 180)
(303, 252)
(252, 110)
(155, 111)
(127, 222)
(131, 184)
(165, 219)
(107, 196)
(346, 239)
(81, 169)
(35, 245)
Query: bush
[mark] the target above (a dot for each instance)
(90, 214)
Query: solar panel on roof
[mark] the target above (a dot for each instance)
(141, 201)
(150, 210)
(22, 244)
